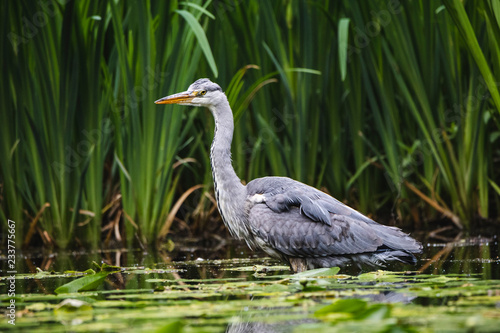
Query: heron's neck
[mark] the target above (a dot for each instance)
(229, 192)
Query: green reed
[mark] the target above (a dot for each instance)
(392, 107)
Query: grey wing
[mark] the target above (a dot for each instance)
(300, 220)
(281, 193)
(295, 234)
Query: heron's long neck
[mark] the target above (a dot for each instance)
(229, 191)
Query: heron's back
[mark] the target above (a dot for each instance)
(298, 222)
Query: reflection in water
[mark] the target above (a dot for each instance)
(473, 255)
(253, 327)
(461, 256)
(476, 255)
(389, 297)
(241, 326)
(267, 322)
(191, 265)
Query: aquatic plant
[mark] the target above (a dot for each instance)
(390, 106)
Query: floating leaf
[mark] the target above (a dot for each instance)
(89, 282)
(172, 327)
(353, 306)
(72, 305)
(317, 272)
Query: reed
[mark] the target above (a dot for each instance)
(392, 107)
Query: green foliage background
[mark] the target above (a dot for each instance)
(393, 107)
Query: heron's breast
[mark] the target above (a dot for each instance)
(233, 215)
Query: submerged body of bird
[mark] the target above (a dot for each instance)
(288, 219)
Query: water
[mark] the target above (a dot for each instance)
(474, 255)
(225, 287)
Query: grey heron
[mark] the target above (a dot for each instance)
(285, 218)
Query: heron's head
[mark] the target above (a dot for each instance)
(202, 92)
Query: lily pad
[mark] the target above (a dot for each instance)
(89, 282)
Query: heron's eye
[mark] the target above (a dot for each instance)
(203, 92)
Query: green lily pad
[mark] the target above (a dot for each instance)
(320, 272)
(89, 282)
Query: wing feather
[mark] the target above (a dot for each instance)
(294, 234)
(299, 220)
(281, 193)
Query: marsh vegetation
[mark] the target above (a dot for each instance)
(392, 107)
(457, 288)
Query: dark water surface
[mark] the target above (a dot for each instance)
(198, 259)
(232, 270)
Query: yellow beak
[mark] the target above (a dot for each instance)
(180, 98)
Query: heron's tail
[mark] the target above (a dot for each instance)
(383, 256)
(376, 259)
(397, 240)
